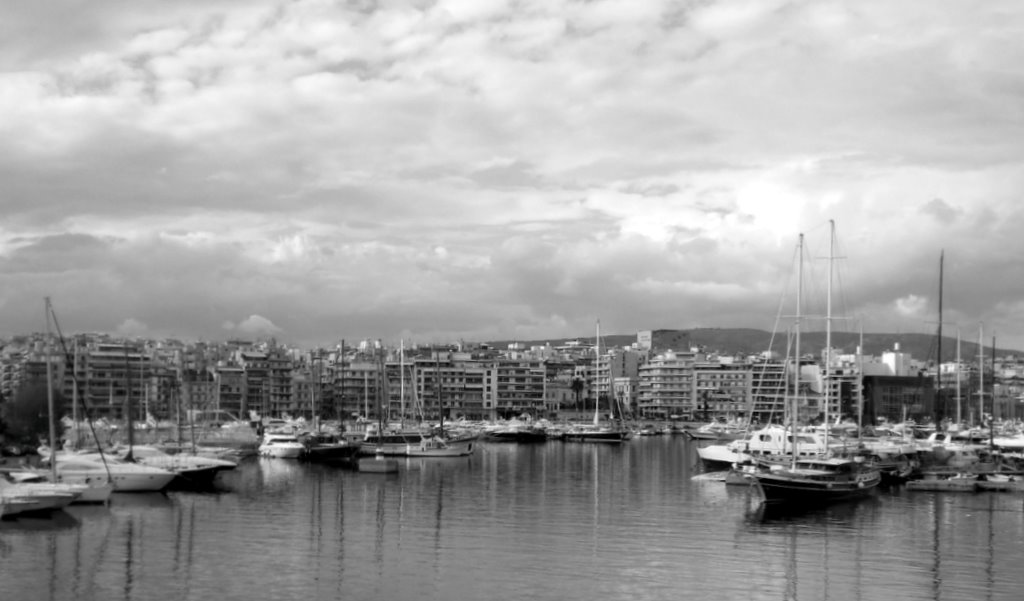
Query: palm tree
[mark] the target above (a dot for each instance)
(577, 387)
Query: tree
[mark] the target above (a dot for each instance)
(26, 417)
(577, 389)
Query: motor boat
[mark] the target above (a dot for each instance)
(281, 445)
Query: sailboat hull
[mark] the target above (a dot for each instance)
(818, 483)
(613, 436)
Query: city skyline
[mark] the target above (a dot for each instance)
(489, 170)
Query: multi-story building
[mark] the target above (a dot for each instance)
(722, 389)
(666, 386)
(358, 387)
(230, 388)
(513, 388)
(109, 380)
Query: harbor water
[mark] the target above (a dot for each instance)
(547, 521)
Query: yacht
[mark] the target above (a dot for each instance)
(124, 476)
(25, 497)
(92, 492)
(191, 470)
(281, 445)
(772, 440)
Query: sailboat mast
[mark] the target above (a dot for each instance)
(981, 375)
(959, 417)
(992, 403)
(440, 401)
(437, 379)
(74, 395)
(401, 378)
(828, 324)
(860, 371)
(796, 325)
(597, 371)
(940, 408)
(49, 396)
(128, 404)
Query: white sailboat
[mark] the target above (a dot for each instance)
(437, 444)
(92, 490)
(596, 432)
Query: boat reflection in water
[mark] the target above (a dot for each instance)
(550, 522)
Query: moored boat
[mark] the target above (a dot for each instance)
(328, 448)
(97, 491)
(816, 481)
(389, 442)
(945, 481)
(435, 446)
(192, 471)
(770, 441)
(280, 445)
(603, 434)
(124, 476)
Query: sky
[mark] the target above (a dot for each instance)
(433, 171)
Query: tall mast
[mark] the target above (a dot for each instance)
(796, 375)
(401, 378)
(128, 404)
(959, 418)
(940, 409)
(74, 396)
(597, 364)
(828, 322)
(860, 377)
(981, 375)
(49, 397)
(992, 404)
(437, 378)
(340, 403)
(440, 399)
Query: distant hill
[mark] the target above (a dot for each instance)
(746, 341)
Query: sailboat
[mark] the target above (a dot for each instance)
(323, 446)
(596, 432)
(90, 490)
(377, 440)
(810, 481)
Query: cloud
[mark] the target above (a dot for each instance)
(133, 328)
(940, 210)
(465, 169)
(256, 325)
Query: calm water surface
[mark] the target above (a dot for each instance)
(549, 521)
